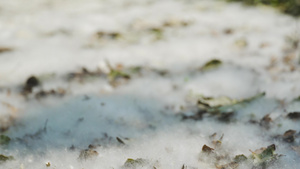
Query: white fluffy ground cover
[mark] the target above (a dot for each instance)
(162, 46)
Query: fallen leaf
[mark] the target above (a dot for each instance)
(212, 64)
(207, 149)
(289, 136)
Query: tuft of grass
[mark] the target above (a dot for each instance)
(290, 7)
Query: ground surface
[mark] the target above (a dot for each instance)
(91, 84)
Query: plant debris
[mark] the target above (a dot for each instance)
(160, 72)
(222, 102)
(228, 31)
(291, 7)
(217, 143)
(197, 116)
(289, 136)
(207, 149)
(225, 116)
(30, 83)
(212, 64)
(108, 35)
(42, 94)
(48, 164)
(157, 32)
(115, 74)
(265, 121)
(4, 158)
(160, 85)
(264, 156)
(176, 23)
(223, 108)
(120, 140)
(88, 153)
(27, 138)
(231, 165)
(4, 140)
(83, 74)
(240, 158)
(5, 49)
(260, 158)
(135, 164)
(294, 115)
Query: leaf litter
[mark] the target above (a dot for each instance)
(221, 109)
(260, 158)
